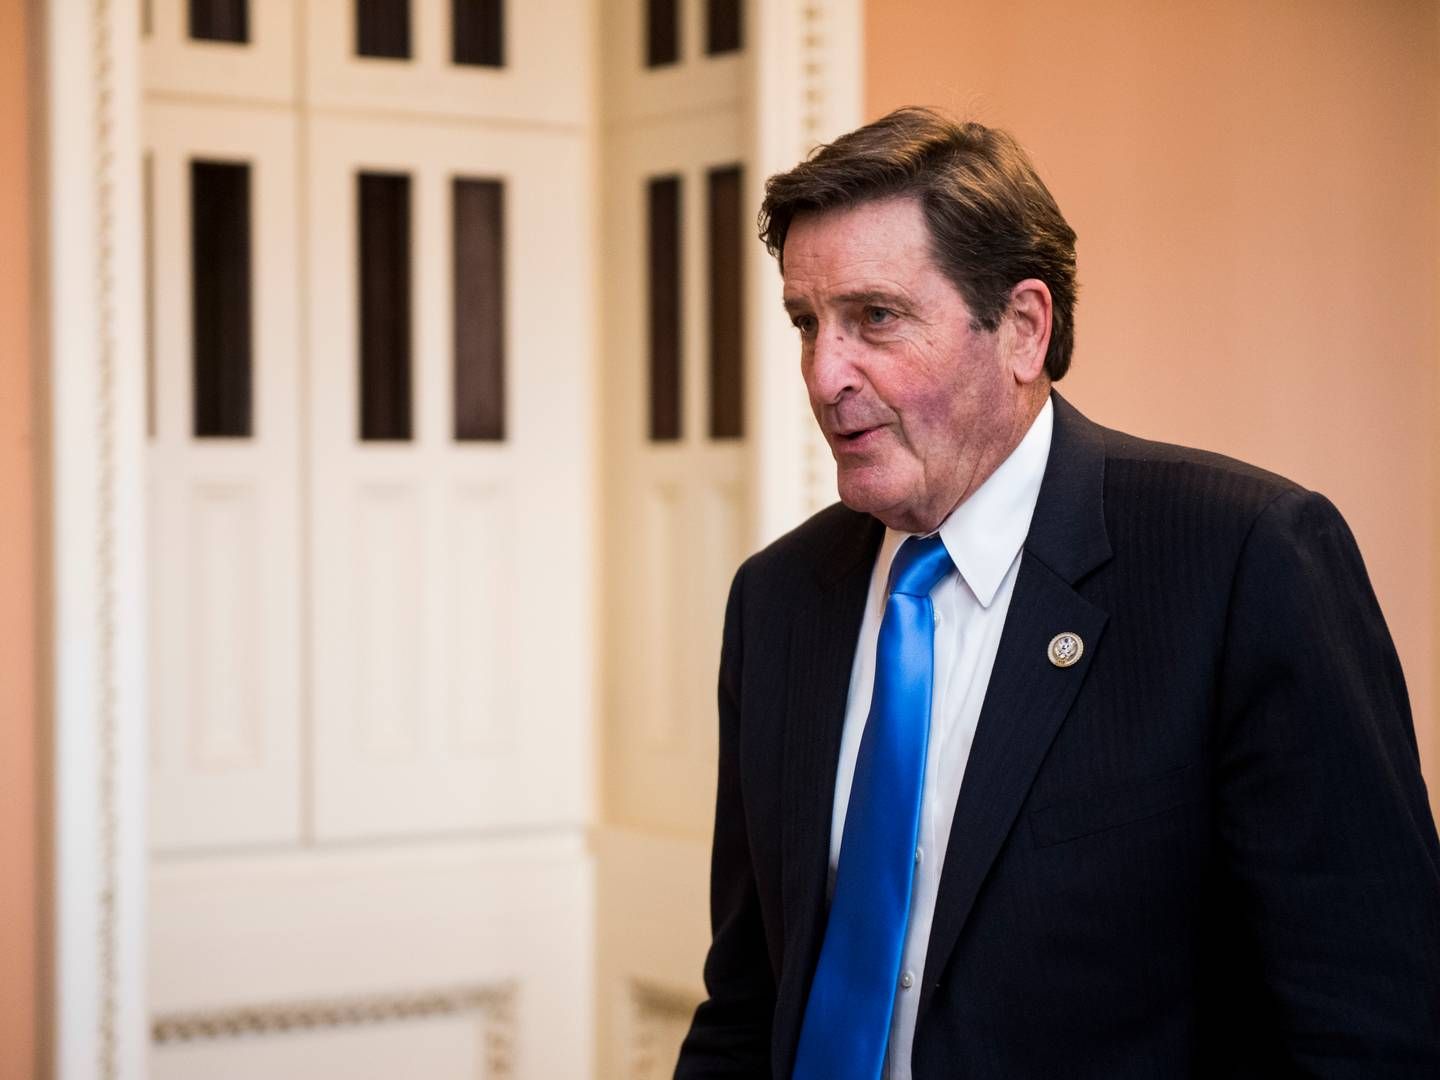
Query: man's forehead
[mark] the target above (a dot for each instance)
(878, 239)
(872, 267)
(877, 206)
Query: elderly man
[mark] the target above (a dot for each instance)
(1052, 752)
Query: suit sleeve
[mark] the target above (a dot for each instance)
(730, 1034)
(1327, 838)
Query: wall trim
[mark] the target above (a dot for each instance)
(96, 536)
(653, 1009)
(495, 1003)
(808, 87)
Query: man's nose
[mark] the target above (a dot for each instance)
(832, 371)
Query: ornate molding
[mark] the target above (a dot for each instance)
(808, 89)
(494, 1003)
(91, 150)
(813, 62)
(107, 593)
(817, 477)
(95, 534)
(659, 1018)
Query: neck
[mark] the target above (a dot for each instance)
(1029, 402)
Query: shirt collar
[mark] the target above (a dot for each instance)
(985, 532)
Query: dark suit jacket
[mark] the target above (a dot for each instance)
(1203, 851)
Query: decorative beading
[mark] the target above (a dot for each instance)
(494, 1003)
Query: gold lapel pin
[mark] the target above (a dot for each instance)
(1066, 648)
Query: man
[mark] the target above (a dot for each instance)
(1052, 752)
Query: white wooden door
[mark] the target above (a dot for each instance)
(396, 596)
(691, 488)
(372, 534)
(679, 196)
(225, 514)
(451, 577)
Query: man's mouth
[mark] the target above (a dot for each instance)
(854, 437)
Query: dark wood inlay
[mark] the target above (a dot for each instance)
(664, 279)
(727, 303)
(384, 234)
(220, 298)
(478, 32)
(479, 309)
(662, 32)
(382, 29)
(724, 26)
(220, 20)
(147, 210)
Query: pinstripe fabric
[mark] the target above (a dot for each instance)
(1203, 851)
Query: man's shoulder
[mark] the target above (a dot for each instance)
(1145, 475)
(825, 545)
(1164, 499)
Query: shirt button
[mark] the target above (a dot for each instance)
(937, 616)
(919, 856)
(907, 980)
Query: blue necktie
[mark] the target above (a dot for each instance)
(847, 1017)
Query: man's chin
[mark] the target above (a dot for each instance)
(863, 497)
(894, 508)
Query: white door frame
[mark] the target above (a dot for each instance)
(809, 87)
(91, 292)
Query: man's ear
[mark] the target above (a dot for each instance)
(1028, 334)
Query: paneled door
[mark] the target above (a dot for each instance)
(710, 450)
(679, 203)
(372, 532)
(450, 498)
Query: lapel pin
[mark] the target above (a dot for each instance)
(1066, 649)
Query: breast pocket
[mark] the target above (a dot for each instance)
(1110, 808)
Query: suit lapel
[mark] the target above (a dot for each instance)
(1025, 703)
(822, 650)
(1028, 697)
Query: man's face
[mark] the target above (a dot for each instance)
(918, 407)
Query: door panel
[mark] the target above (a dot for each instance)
(373, 663)
(678, 518)
(678, 509)
(260, 69)
(325, 958)
(224, 526)
(544, 80)
(450, 575)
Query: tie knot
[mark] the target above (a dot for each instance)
(919, 565)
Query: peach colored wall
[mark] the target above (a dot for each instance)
(1255, 189)
(18, 567)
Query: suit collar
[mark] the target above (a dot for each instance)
(1068, 532)
(853, 546)
(1028, 697)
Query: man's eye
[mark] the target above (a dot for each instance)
(804, 323)
(877, 316)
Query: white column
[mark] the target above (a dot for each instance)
(93, 306)
(808, 88)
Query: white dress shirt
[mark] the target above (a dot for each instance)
(984, 536)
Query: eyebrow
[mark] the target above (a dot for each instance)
(877, 297)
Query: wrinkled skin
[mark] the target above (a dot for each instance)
(918, 404)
